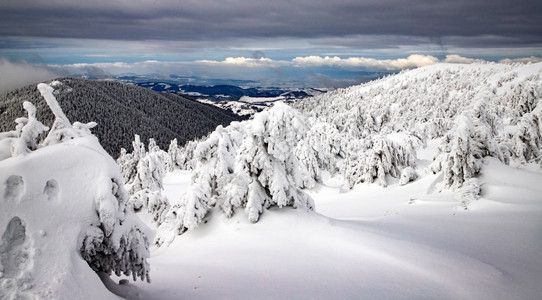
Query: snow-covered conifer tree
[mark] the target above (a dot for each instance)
(307, 156)
(113, 247)
(267, 166)
(28, 129)
(248, 165)
(458, 156)
(128, 161)
(320, 149)
(174, 153)
(186, 156)
(371, 160)
(146, 188)
(215, 162)
(526, 139)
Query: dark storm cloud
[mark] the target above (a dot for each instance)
(502, 20)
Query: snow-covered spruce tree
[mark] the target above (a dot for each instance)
(115, 245)
(163, 155)
(186, 161)
(267, 171)
(321, 148)
(248, 165)
(128, 161)
(524, 98)
(370, 160)
(215, 163)
(460, 155)
(525, 140)
(485, 124)
(146, 188)
(481, 113)
(174, 153)
(307, 155)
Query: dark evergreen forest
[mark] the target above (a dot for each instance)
(121, 110)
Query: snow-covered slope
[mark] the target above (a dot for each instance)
(416, 99)
(399, 242)
(477, 110)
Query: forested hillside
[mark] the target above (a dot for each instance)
(121, 111)
(476, 110)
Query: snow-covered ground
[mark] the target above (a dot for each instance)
(399, 242)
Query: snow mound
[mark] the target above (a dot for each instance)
(62, 214)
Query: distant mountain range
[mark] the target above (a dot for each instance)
(121, 111)
(239, 100)
(228, 92)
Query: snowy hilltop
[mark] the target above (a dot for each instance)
(371, 132)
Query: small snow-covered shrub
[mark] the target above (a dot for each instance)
(469, 192)
(408, 174)
(154, 202)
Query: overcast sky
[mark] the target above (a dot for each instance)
(280, 37)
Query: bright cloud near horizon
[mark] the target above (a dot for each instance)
(314, 42)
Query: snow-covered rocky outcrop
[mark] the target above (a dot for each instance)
(63, 213)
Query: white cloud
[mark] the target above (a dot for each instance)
(531, 59)
(16, 75)
(457, 59)
(412, 61)
(241, 61)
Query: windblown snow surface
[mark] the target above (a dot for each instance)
(399, 242)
